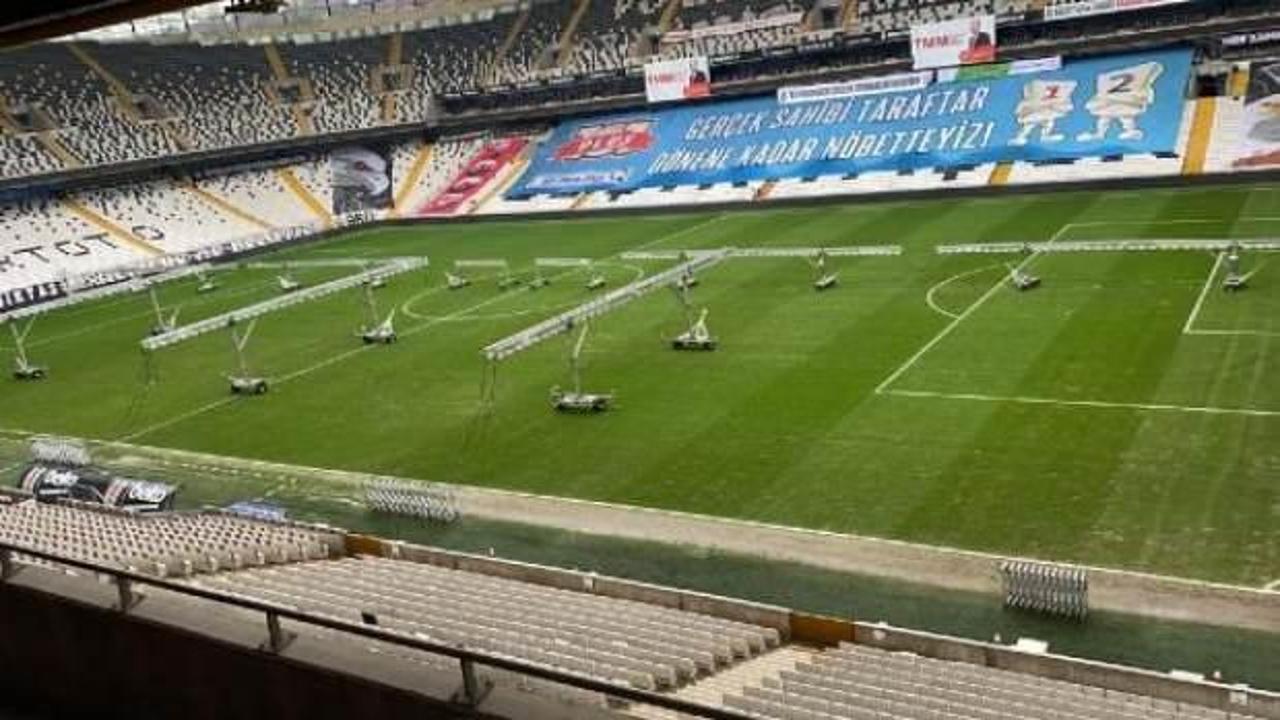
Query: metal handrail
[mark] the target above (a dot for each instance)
(124, 580)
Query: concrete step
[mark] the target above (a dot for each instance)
(711, 690)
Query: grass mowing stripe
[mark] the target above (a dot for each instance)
(142, 314)
(324, 363)
(782, 425)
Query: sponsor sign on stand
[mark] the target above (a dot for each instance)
(962, 41)
(677, 79)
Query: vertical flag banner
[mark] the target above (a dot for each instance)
(361, 179)
(677, 79)
(962, 41)
(1259, 142)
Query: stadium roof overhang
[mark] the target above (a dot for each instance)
(27, 22)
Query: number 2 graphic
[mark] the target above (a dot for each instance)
(1124, 82)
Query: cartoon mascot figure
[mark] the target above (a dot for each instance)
(1044, 103)
(1123, 95)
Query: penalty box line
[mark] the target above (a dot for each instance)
(957, 319)
(1188, 327)
(1177, 221)
(1106, 404)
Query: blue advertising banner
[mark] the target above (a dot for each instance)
(1115, 105)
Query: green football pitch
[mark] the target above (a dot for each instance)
(1124, 414)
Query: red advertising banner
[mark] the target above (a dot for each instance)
(479, 171)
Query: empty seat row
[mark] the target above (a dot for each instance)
(163, 544)
(859, 681)
(636, 643)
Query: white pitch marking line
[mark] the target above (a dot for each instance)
(330, 361)
(342, 356)
(1252, 412)
(39, 342)
(1066, 227)
(1204, 293)
(679, 233)
(1175, 221)
(309, 369)
(940, 336)
(928, 297)
(176, 419)
(1273, 585)
(1234, 333)
(406, 307)
(961, 317)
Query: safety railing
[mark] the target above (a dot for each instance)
(473, 691)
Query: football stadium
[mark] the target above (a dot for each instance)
(772, 359)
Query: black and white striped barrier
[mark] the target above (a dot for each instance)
(126, 284)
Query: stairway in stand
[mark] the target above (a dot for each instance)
(711, 690)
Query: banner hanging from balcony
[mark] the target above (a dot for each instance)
(1259, 142)
(362, 178)
(1068, 9)
(480, 170)
(962, 41)
(1100, 106)
(768, 22)
(677, 79)
(854, 88)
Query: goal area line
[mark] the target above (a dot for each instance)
(1054, 245)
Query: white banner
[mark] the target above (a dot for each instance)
(853, 88)
(734, 28)
(1081, 8)
(1259, 37)
(677, 79)
(962, 41)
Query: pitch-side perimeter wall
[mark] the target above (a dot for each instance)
(1110, 589)
(172, 655)
(827, 631)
